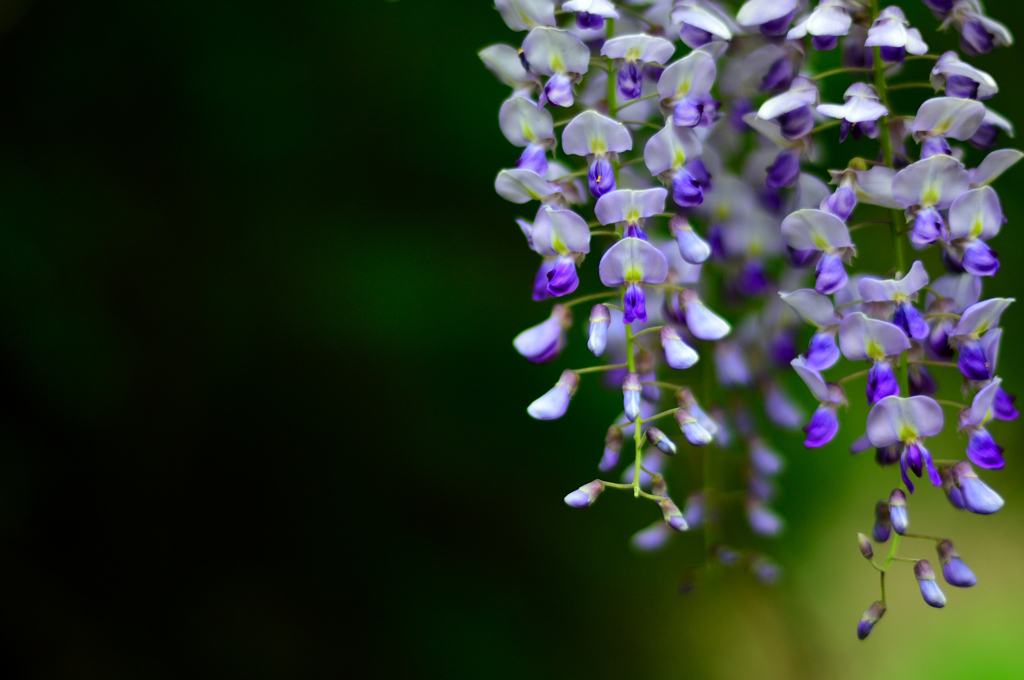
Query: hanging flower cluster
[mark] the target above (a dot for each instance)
(719, 239)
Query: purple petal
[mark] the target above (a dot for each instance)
(983, 450)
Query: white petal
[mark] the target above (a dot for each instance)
(811, 229)
(601, 8)
(703, 18)
(829, 20)
(980, 317)
(813, 379)
(503, 61)
(559, 232)
(590, 133)
(949, 117)
(550, 51)
(936, 182)
(642, 48)
(692, 76)
(802, 92)
(976, 214)
(887, 33)
(626, 205)
(523, 123)
(522, 15)
(523, 186)
(915, 43)
(887, 290)
(810, 191)
(757, 12)
(994, 165)
(670, 148)
(813, 307)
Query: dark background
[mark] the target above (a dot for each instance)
(260, 416)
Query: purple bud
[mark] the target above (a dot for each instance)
(972, 362)
(952, 491)
(727, 557)
(601, 177)
(980, 260)
(600, 318)
(585, 495)
(841, 203)
(883, 525)
(678, 354)
(694, 432)
(830, 274)
(954, 570)
(930, 590)
(870, 618)
(898, 511)
(865, 546)
(796, 123)
(910, 320)
(562, 279)
(692, 247)
(686, 191)
(1003, 408)
(983, 450)
(612, 448)
(823, 426)
(653, 538)
(534, 158)
(763, 521)
(555, 402)
(938, 341)
(765, 571)
(672, 516)
(783, 172)
(935, 145)
(974, 39)
(634, 304)
(687, 113)
(882, 383)
(694, 37)
(824, 43)
(928, 227)
(977, 496)
(658, 438)
(763, 460)
(587, 21)
(630, 80)
(631, 389)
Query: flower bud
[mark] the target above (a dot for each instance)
(653, 538)
(631, 389)
(672, 516)
(898, 511)
(954, 570)
(555, 402)
(678, 354)
(930, 590)
(865, 546)
(977, 496)
(612, 449)
(685, 399)
(763, 520)
(694, 431)
(882, 527)
(952, 491)
(765, 571)
(585, 495)
(727, 557)
(600, 317)
(658, 485)
(692, 248)
(658, 438)
(870, 618)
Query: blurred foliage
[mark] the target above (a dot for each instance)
(262, 417)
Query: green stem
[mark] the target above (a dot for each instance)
(598, 369)
(924, 537)
(667, 386)
(604, 233)
(611, 80)
(866, 224)
(849, 304)
(854, 376)
(907, 86)
(952, 404)
(925, 362)
(933, 57)
(825, 126)
(942, 316)
(905, 559)
(837, 71)
(643, 123)
(644, 332)
(588, 298)
(640, 99)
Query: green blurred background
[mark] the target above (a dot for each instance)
(261, 416)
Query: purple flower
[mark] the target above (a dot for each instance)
(555, 402)
(694, 432)
(869, 619)
(678, 354)
(633, 262)
(954, 570)
(685, 86)
(700, 23)
(977, 496)
(565, 235)
(585, 495)
(961, 79)
(771, 17)
(825, 24)
(631, 389)
(631, 53)
(898, 511)
(673, 517)
(975, 217)
(561, 56)
(544, 342)
(600, 318)
(930, 590)
(598, 138)
(859, 113)
(909, 421)
(810, 229)
(865, 546)
(948, 117)
(893, 34)
(981, 448)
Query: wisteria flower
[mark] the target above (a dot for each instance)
(630, 208)
(522, 185)
(948, 117)
(899, 294)
(631, 53)
(960, 79)
(860, 112)
(503, 61)
(821, 231)
(981, 448)
(907, 422)
(891, 31)
(771, 17)
(994, 165)
(817, 310)
(545, 341)
(701, 22)
(824, 423)
(702, 323)
(633, 262)
(979, 34)
(692, 248)
(987, 134)
(792, 109)
(669, 155)
(973, 361)
(926, 187)
(600, 139)
(522, 15)
(590, 14)
(977, 496)
(828, 22)
(863, 338)
(685, 87)
(565, 235)
(555, 402)
(524, 125)
(561, 56)
(975, 217)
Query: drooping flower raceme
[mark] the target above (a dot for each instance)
(717, 239)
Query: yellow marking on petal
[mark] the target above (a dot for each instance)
(598, 147)
(943, 127)
(931, 196)
(977, 227)
(633, 54)
(633, 216)
(634, 275)
(684, 88)
(556, 64)
(556, 243)
(907, 433)
(820, 243)
(874, 350)
(679, 159)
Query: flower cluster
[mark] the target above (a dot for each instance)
(720, 239)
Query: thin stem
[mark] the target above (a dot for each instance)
(925, 362)
(644, 332)
(952, 404)
(825, 126)
(667, 386)
(644, 494)
(924, 537)
(578, 173)
(849, 304)
(593, 224)
(613, 485)
(905, 559)
(598, 369)
(933, 57)
(612, 110)
(836, 71)
(892, 551)
(666, 286)
(636, 14)
(934, 292)
(942, 316)
(854, 376)
(908, 86)
(604, 233)
(643, 123)
(631, 162)
(587, 298)
(562, 122)
(869, 223)
(883, 584)
(664, 215)
(599, 64)
(638, 99)
(656, 416)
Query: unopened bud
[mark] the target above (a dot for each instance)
(694, 431)
(658, 438)
(952, 491)
(555, 402)
(678, 354)
(612, 449)
(883, 526)
(631, 389)
(585, 495)
(954, 570)
(870, 618)
(898, 511)
(977, 496)
(672, 516)
(865, 546)
(600, 317)
(686, 400)
(727, 557)
(658, 485)
(692, 248)
(930, 590)
(765, 571)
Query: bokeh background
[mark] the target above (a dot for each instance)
(260, 416)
